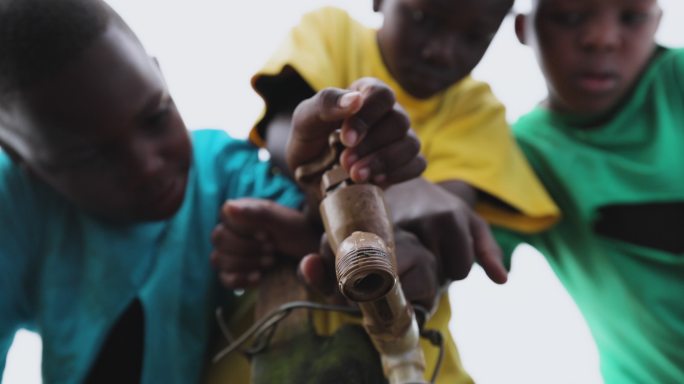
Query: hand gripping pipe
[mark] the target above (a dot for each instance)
(359, 230)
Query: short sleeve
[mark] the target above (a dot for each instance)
(259, 179)
(17, 209)
(235, 169)
(678, 68)
(473, 142)
(317, 49)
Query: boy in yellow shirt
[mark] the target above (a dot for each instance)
(424, 51)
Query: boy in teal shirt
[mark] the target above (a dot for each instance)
(107, 203)
(607, 144)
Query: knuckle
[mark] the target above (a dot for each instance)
(386, 96)
(401, 120)
(462, 271)
(327, 99)
(421, 164)
(412, 145)
(300, 109)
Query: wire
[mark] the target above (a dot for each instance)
(268, 324)
(263, 330)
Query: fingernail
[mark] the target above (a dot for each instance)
(267, 248)
(349, 138)
(363, 174)
(267, 261)
(229, 278)
(347, 99)
(254, 277)
(351, 159)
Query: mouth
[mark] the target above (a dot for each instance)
(597, 81)
(428, 82)
(166, 199)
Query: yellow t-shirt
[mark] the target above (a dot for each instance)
(463, 132)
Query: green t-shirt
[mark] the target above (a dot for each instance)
(619, 247)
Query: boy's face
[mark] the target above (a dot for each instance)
(428, 45)
(105, 133)
(591, 51)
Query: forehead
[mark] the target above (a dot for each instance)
(105, 88)
(463, 11)
(593, 3)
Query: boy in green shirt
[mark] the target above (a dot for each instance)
(607, 144)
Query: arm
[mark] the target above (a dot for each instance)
(441, 216)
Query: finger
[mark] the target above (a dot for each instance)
(239, 263)
(315, 274)
(315, 118)
(391, 127)
(409, 171)
(238, 281)
(378, 101)
(389, 160)
(274, 226)
(457, 265)
(417, 269)
(226, 240)
(487, 252)
(247, 215)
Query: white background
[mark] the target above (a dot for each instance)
(527, 331)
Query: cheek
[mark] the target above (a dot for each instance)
(178, 146)
(92, 192)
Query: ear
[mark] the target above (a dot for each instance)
(376, 5)
(13, 155)
(6, 136)
(521, 28)
(156, 62)
(660, 17)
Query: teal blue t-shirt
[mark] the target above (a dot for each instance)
(68, 276)
(619, 247)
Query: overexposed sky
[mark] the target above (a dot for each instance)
(527, 331)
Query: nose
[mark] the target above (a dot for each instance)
(145, 161)
(602, 33)
(440, 50)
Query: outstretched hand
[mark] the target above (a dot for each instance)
(253, 235)
(448, 227)
(379, 145)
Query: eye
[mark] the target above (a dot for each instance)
(85, 160)
(633, 18)
(417, 16)
(479, 37)
(158, 121)
(568, 18)
(159, 117)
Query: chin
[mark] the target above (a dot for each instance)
(422, 92)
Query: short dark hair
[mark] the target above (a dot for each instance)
(40, 37)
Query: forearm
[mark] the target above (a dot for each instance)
(461, 189)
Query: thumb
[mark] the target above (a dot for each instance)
(316, 275)
(315, 118)
(487, 251)
(244, 215)
(287, 229)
